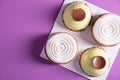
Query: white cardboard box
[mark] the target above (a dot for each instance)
(84, 39)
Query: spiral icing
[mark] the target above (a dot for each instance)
(61, 48)
(106, 29)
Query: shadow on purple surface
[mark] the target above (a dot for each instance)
(37, 47)
(40, 41)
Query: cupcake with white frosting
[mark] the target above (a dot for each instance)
(106, 30)
(61, 48)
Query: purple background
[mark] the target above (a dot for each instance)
(24, 27)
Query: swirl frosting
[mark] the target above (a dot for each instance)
(61, 48)
(106, 29)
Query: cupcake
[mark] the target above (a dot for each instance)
(94, 62)
(76, 16)
(61, 48)
(106, 30)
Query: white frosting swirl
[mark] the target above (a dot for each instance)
(106, 29)
(61, 48)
